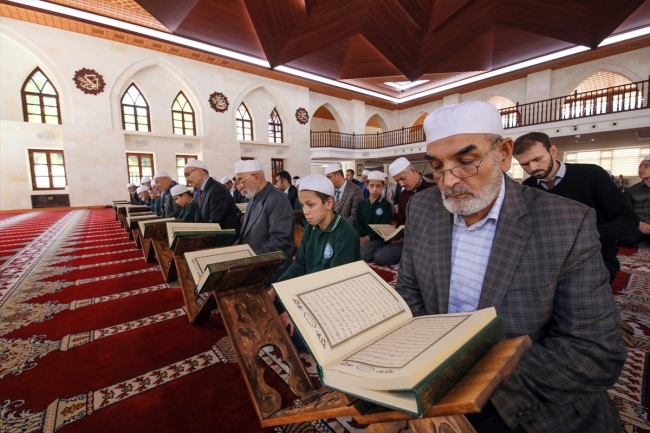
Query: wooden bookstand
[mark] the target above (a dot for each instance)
(165, 259)
(157, 231)
(136, 238)
(252, 323)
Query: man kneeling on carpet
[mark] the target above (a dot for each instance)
(184, 198)
(330, 241)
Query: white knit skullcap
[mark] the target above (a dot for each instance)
(196, 164)
(365, 172)
(178, 190)
(647, 158)
(247, 166)
(398, 166)
(376, 175)
(317, 182)
(142, 189)
(224, 180)
(129, 185)
(333, 168)
(160, 174)
(145, 179)
(474, 117)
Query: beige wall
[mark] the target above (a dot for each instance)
(95, 144)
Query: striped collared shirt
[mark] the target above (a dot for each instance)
(470, 253)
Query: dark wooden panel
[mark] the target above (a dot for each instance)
(514, 45)
(606, 16)
(326, 62)
(364, 60)
(223, 23)
(419, 10)
(473, 56)
(53, 200)
(170, 13)
(274, 23)
(639, 18)
(443, 11)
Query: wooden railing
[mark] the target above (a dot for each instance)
(414, 134)
(633, 96)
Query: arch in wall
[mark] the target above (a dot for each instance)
(126, 78)
(419, 120)
(48, 67)
(336, 114)
(602, 67)
(377, 121)
(500, 101)
(279, 103)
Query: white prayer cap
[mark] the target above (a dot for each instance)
(376, 175)
(297, 182)
(196, 164)
(332, 168)
(160, 174)
(647, 158)
(178, 190)
(248, 165)
(474, 117)
(142, 188)
(129, 185)
(145, 179)
(398, 166)
(224, 180)
(365, 172)
(317, 182)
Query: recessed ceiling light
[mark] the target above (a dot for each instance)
(403, 85)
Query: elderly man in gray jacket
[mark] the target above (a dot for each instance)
(481, 240)
(268, 224)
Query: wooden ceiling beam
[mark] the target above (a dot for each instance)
(170, 13)
(606, 16)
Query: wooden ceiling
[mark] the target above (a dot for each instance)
(369, 42)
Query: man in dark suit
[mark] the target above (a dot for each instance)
(133, 196)
(216, 205)
(481, 240)
(168, 207)
(585, 183)
(347, 196)
(268, 222)
(283, 182)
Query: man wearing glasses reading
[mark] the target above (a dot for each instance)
(215, 204)
(482, 240)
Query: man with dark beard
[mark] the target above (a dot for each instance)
(585, 183)
(482, 240)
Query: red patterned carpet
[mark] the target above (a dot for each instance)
(93, 340)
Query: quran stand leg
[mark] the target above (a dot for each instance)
(136, 239)
(147, 251)
(441, 424)
(131, 235)
(196, 306)
(252, 323)
(165, 259)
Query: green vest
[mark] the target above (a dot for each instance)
(188, 212)
(379, 212)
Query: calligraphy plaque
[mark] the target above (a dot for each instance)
(302, 116)
(219, 102)
(89, 81)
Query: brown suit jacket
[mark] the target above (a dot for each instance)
(546, 278)
(347, 205)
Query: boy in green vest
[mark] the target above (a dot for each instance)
(183, 197)
(373, 210)
(328, 241)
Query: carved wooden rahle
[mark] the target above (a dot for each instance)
(156, 231)
(165, 258)
(136, 238)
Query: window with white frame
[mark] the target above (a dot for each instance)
(619, 161)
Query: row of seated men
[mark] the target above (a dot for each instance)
(543, 253)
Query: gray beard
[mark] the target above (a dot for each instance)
(479, 200)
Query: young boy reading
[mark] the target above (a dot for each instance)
(183, 197)
(373, 210)
(328, 241)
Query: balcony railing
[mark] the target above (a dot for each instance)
(633, 96)
(414, 134)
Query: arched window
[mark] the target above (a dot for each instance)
(275, 128)
(244, 123)
(183, 116)
(508, 110)
(420, 120)
(602, 92)
(40, 99)
(135, 110)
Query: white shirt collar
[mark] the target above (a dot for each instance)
(559, 175)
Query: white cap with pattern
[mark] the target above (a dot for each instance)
(333, 168)
(474, 117)
(248, 166)
(398, 166)
(317, 182)
(196, 164)
(376, 175)
(178, 190)
(160, 174)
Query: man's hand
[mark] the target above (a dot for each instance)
(644, 228)
(286, 322)
(364, 240)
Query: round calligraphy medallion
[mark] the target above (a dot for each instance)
(89, 81)
(302, 116)
(219, 102)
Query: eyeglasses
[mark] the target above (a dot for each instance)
(189, 172)
(463, 171)
(241, 181)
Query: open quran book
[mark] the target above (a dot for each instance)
(368, 344)
(206, 265)
(145, 225)
(132, 218)
(242, 206)
(179, 229)
(386, 231)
